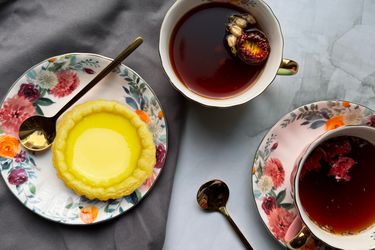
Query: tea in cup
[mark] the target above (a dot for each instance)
(334, 188)
(204, 63)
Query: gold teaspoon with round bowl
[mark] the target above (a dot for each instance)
(213, 196)
(37, 133)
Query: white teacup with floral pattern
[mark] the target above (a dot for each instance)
(302, 226)
(275, 64)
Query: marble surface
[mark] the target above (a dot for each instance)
(334, 43)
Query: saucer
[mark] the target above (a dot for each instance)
(43, 90)
(275, 158)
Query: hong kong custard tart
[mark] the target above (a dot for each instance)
(103, 150)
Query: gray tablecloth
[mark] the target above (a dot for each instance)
(33, 30)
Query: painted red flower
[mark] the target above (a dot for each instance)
(17, 176)
(148, 183)
(275, 170)
(14, 111)
(160, 156)
(279, 221)
(268, 204)
(371, 121)
(20, 157)
(29, 91)
(68, 81)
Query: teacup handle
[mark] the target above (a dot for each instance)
(288, 67)
(297, 240)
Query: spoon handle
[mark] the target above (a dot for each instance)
(224, 211)
(125, 53)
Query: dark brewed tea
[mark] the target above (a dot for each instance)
(337, 185)
(199, 57)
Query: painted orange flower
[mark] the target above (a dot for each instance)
(52, 59)
(346, 104)
(89, 214)
(160, 115)
(335, 122)
(9, 146)
(143, 115)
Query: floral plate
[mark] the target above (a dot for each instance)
(43, 90)
(276, 155)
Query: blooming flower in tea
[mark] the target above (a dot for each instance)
(265, 184)
(279, 220)
(340, 168)
(29, 91)
(274, 169)
(68, 81)
(17, 176)
(46, 79)
(9, 146)
(14, 111)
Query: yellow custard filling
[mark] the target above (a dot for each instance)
(103, 150)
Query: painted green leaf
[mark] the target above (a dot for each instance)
(317, 124)
(287, 206)
(44, 101)
(38, 110)
(32, 188)
(280, 197)
(134, 197)
(121, 210)
(32, 74)
(32, 161)
(126, 90)
(257, 194)
(5, 165)
(130, 101)
(69, 206)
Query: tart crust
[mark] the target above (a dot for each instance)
(118, 186)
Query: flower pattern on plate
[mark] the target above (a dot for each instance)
(274, 159)
(43, 90)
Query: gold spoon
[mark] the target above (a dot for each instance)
(213, 196)
(37, 133)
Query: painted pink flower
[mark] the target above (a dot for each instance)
(20, 157)
(29, 91)
(279, 221)
(268, 204)
(148, 183)
(275, 170)
(160, 156)
(14, 111)
(17, 176)
(68, 81)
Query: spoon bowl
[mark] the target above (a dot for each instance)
(213, 196)
(36, 133)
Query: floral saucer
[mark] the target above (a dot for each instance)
(43, 90)
(276, 155)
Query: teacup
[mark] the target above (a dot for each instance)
(303, 227)
(275, 64)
